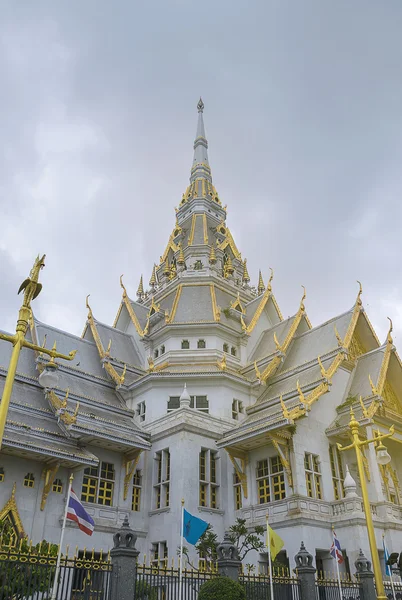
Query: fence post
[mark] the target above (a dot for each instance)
(228, 558)
(124, 562)
(365, 576)
(306, 573)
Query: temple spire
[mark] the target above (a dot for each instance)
(200, 168)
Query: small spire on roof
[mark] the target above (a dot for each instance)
(180, 258)
(153, 280)
(212, 256)
(246, 276)
(140, 290)
(261, 285)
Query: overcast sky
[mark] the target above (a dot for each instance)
(303, 113)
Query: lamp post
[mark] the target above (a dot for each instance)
(32, 289)
(383, 458)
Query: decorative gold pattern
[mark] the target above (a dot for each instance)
(129, 465)
(141, 332)
(49, 475)
(169, 318)
(282, 447)
(215, 308)
(118, 379)
(10, 511)
(239, 461)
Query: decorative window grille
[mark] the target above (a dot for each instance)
(226, 348)
(29, 480)
(137, 485)
(313, 476)
(160, 555)
(337, 472)
(209, 485)
(233, 351)
(2, 475)
(237, 409)
(198, 402)
(140, 411)
(201, 344)
(162, 479)
(270, 480)
(98, 484)
(57, 486)
(185, 345)
(238, 496)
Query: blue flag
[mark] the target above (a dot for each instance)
(386, 557)
(193, 528)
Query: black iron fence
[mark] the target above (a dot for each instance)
(328, 589)
(258, 587)
(159, 583)
(30, 574)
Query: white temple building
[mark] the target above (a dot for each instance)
(201, 390)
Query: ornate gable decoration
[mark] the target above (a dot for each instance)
(9, 513)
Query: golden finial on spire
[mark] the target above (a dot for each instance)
(302, 307)
(246, 276)
(270, 279)
(261, 286)
(359, 299)
(338, 337)
(140, 290)
(364, 409)
(152, 281)
(389, 336)
(122, 286)
(212, 256)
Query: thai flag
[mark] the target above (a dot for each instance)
(76, 512)
(335, 550)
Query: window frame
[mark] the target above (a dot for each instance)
(102, 486)
(161, 486)
(313, 476)
(270, 479)
(209, 478)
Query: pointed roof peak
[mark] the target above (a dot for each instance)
(200, 168)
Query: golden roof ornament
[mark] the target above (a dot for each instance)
(140, 290)
(246, 276)
(153, 280)
(261, 286)
(229, 269)
(180, 259)
(212, 256)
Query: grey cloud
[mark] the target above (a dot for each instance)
(304, 120)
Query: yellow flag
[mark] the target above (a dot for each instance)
(276, 543)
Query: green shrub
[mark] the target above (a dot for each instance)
(144, 591)
(221, 588)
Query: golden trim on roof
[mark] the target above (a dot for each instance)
(261, 306)
(385, 362)
(237, 305)
(170, 317)
(170, 246)
(118, 379)
(228, 241)
(205, 227)
(10, 508)
(215, 308)
(141, 332)
(192, 230)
